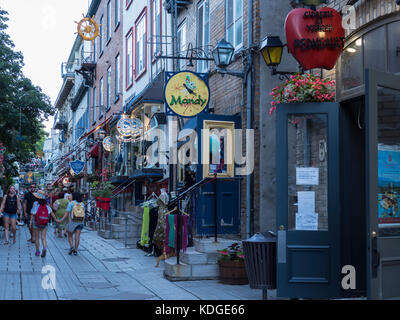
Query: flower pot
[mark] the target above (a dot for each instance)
(232, 272)
(105, 203)
(98, 203)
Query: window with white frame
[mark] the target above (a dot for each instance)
(108, 106)
(129, 58)
(108, 20)
(234, 22)
(203, 32)
(101, 98)
(116, 80)
(94, 106)
(140, 48)
(116, 13)
(182, 44)
(156, 27)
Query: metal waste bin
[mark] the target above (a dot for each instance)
(260, 259)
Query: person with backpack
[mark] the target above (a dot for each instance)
(40, 215)
(29, 200)
(60, 207)
(10, 206)
(76, 215)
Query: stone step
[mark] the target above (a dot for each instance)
(128, 227)
(191, 256)
(121, 234)
(187, 272)
(207, 245)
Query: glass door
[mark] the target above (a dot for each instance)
(383, 185)
(308, 211)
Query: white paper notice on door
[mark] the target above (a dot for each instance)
(306, 202)
(307, 221)
(307, 176)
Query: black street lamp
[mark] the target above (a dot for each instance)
(223, 53)
(271, 49)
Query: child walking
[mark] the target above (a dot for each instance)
(40, 215)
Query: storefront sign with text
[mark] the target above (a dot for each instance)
(186, 93)
(315, 38)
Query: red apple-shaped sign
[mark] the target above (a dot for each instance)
(315, 38)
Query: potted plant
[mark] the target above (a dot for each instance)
(302, 88)
(103, 194)
(232, 267)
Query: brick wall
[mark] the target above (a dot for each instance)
(227, 96)
(107, 59)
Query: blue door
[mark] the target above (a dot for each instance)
(308, 204)
(218, 202)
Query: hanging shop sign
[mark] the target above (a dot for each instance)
(315, 38)
(130, 127)
(186, 93)
(77, 166)
(107, 144)
(66, 182)
(88, 29)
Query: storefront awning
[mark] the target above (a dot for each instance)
(94, 151)
(57, 181)
(152, 93)
(150, 173)
(96, 128)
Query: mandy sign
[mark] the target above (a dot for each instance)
(315, 38)
(186, 93)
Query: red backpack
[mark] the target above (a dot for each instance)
(42, 216)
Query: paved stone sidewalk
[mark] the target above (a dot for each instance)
(104, 269)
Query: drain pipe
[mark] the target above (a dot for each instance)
(250, 115)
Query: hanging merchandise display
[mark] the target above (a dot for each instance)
(144, 239)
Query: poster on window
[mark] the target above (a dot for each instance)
(389, 185)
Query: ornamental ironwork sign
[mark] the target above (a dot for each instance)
(88, 29)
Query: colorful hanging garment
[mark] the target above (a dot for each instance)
(145, 226)
(185, 219)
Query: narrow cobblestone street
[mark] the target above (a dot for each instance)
(104, 269)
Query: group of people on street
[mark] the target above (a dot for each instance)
(38, 210)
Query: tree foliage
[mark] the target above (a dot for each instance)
(23, 106)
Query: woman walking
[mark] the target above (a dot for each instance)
(40, 215)
(75, 213)
(10, 206)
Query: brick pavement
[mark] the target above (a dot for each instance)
(104, 269)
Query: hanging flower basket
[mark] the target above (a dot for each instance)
(302, 88)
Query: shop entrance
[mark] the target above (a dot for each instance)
(383, 184)
(341, 162)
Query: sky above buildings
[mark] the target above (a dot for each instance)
(44, 31)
